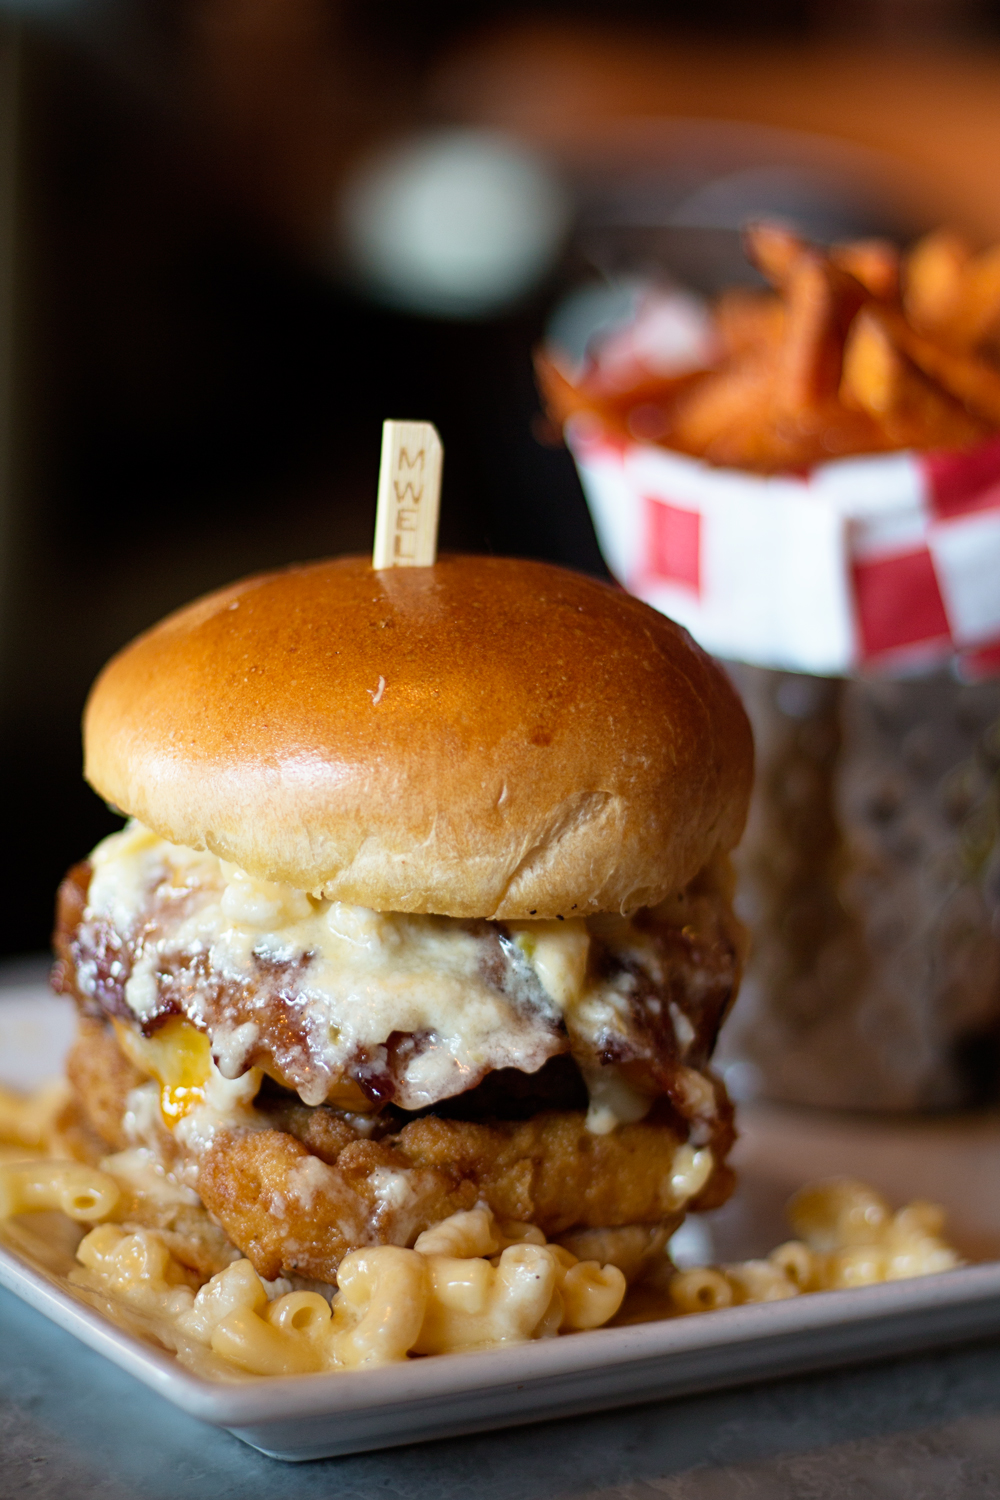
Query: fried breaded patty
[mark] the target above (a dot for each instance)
(293, 1212)
(296, 1186)
(102, 1078)
(300, 1193)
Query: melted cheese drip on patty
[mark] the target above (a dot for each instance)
(361, 975)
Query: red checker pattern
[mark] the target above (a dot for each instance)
(960, 483)
(674, 543)
(898, 602)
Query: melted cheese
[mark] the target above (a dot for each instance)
(180, 1059)
(361, 975)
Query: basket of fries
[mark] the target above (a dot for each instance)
(809, 480)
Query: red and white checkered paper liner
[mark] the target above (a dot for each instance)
(888, 563)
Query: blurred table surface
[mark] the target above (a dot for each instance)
(73, 1426)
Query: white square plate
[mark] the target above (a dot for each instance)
(956, 1162)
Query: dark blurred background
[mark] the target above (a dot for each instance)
(237, 234)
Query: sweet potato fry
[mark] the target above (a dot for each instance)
(820, 302)
(912, 411)
(953, 295)
(733, 419)
(737, 399)
(874, 263)
(977, 317)
(653, 398)
(748, 322)
(970, 379)
(561, 397)
(933, 277)
(774, 250)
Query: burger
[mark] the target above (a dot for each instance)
(423, 903)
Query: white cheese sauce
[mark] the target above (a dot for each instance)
(455, 999)
(359, 975)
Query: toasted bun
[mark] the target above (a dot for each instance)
(483, 738)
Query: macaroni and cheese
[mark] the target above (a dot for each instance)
(848, 1237)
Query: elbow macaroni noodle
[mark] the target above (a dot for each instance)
(83, 1193)
(390, 1302)
(849, 1237)
(31, 1119)
(470, 1282)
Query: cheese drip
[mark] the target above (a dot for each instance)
(360, 977)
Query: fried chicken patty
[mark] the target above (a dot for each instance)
(290, 1211)
(305, 1186)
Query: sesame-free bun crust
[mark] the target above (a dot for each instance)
(486, 737)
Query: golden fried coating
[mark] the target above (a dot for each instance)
(291, 1212)
(551, 1170)
(296, 1197)
(74, 1138)
(185, 1227)
(102, 1077)
(323, 1131)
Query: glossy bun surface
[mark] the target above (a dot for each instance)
(488, 737)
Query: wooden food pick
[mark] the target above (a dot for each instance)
(409, 496)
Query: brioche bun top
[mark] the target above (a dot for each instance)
(486, 737)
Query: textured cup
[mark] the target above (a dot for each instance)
(870, 877)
